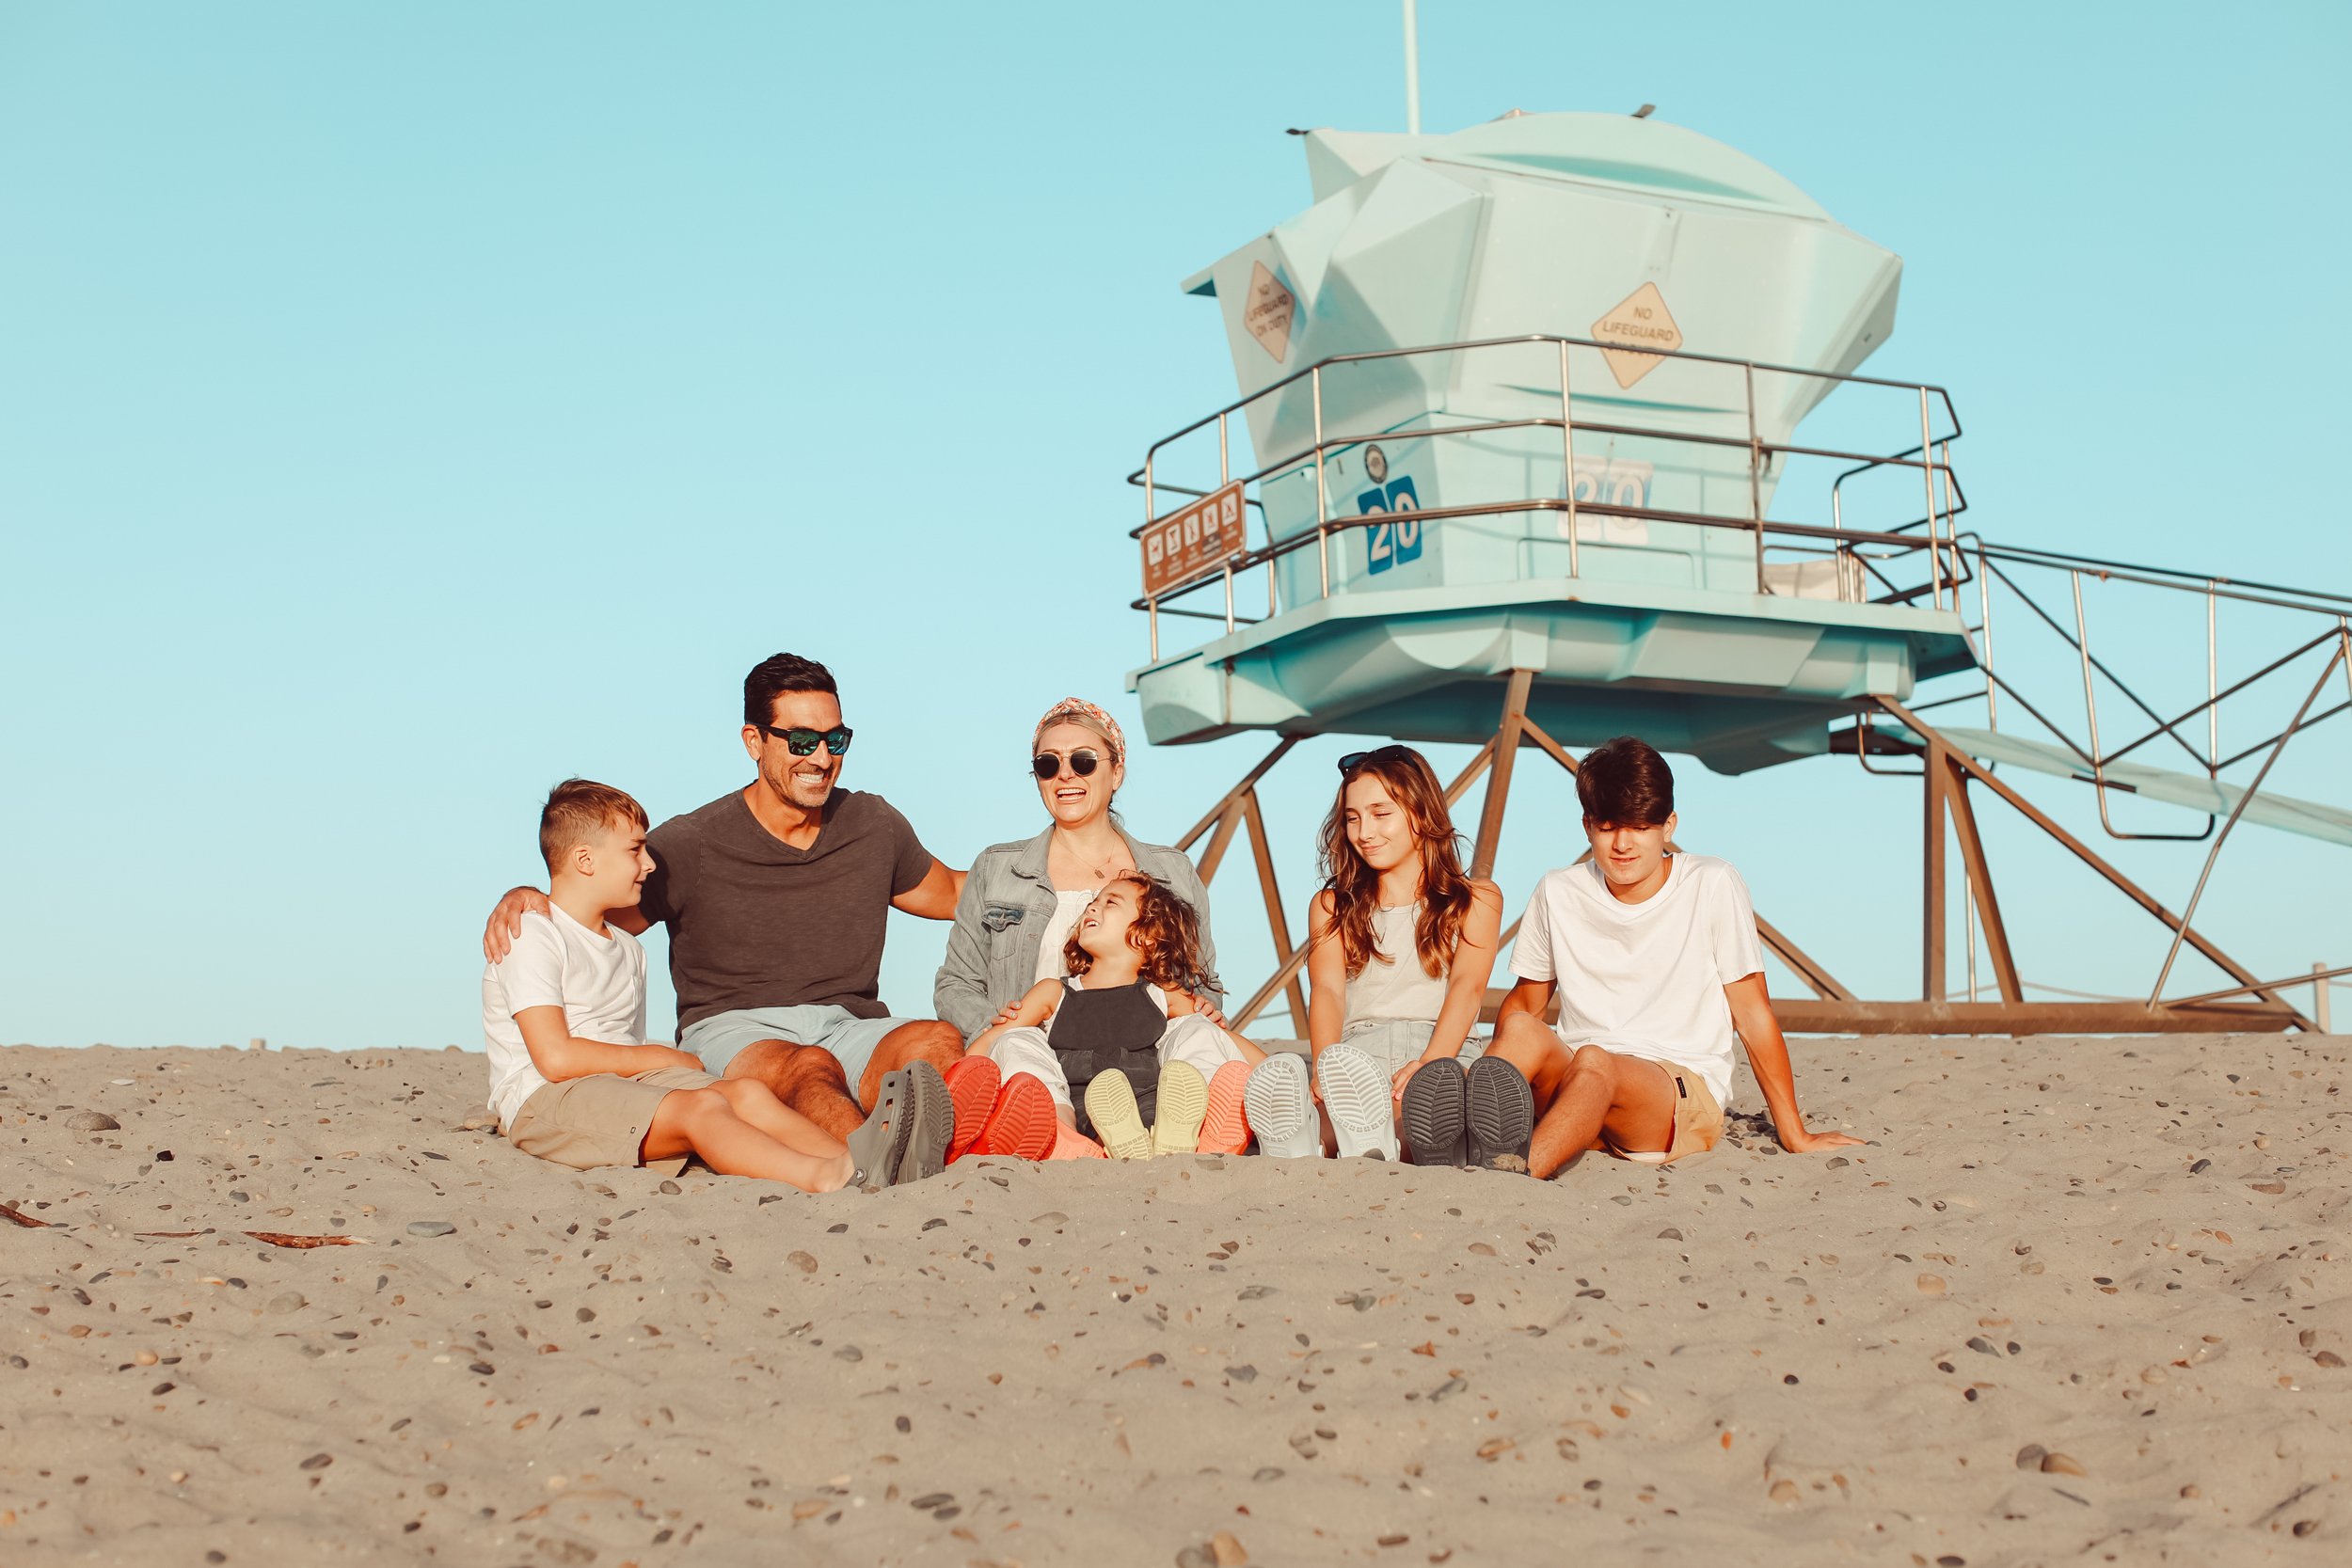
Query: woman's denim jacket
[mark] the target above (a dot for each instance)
(992, 953)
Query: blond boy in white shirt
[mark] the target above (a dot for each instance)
(1654, 957)
(571, 1077)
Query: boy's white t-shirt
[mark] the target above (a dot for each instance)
(1645, 979)
(599, 982)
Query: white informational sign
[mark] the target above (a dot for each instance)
(1612, 481)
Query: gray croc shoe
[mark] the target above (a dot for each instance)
(1436, 1112)
(876, 1147)
(930, 1125)
(1280, 1111)
(1502, 1116)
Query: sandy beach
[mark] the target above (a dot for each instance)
(2084, 1300)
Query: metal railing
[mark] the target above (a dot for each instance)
(1942, 500)
(2316, 621)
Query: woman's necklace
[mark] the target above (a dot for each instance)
(1102, 869)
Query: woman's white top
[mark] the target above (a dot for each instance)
(1400, 989)
(1067, 906)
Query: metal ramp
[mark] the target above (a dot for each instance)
(2212, 797)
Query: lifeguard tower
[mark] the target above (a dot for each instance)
(1515, 463)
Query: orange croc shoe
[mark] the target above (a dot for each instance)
(973, 1085)
(1226, 1128)
(1070, 1144)
(1022, 1122)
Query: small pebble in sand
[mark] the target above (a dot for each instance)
(92, 1122)
(1227, 1550)
(287, 1301)
(1932, 1284)
(2030, 1456)
(1196, 1557)
(430, 1227)
(671, 1187)
(2062, 1464)
(801, 1261)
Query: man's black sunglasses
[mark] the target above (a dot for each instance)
(802, 743)
(1353, 760)
(1045, 765)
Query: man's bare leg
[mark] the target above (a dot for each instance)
(1631, 1100)
(924, 1039)
(807, 1078)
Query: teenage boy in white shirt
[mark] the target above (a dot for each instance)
(1654, 957)
(565, 1015)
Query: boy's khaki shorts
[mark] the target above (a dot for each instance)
(1698, 1121)
(600, 1120)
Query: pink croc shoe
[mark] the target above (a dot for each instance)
(1226, 1128)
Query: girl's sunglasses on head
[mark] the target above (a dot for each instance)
(1353, 760)
(1046, 764)
(802, 743)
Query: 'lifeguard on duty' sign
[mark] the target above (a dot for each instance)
(1185, 546)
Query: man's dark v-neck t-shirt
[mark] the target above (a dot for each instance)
(754, 923)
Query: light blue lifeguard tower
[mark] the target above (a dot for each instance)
(1517, 462)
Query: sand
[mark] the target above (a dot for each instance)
(2126, 1255)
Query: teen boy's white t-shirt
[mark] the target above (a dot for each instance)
(1645, 979)
(599, 982)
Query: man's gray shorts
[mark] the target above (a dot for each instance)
(850, 1038)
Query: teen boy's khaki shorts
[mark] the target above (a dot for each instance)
(600, 1120)
(1698, 1121)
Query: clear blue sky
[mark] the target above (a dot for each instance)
(404, 407)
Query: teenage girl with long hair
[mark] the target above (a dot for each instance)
(1400, 943)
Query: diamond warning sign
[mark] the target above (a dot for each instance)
(1642, 322)
(1269, 310)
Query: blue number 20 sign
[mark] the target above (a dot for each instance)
(1391, 544)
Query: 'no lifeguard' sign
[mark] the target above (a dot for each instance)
(1185, 546)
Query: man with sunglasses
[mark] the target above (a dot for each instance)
(777, 897)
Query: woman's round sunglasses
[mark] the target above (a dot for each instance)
(802, 743)
(1047, 765)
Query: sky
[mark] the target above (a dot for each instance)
(402, 408)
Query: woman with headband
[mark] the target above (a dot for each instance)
(1023, 899)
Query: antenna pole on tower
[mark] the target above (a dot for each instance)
(1412, 71)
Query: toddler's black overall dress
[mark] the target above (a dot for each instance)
(1115, 1029)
